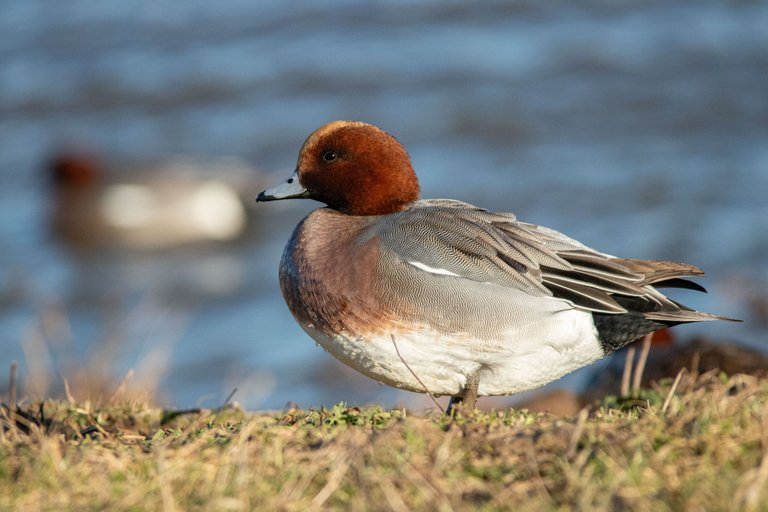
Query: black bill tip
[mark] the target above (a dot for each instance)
(264, 197)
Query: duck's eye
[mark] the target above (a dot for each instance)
(330, 156)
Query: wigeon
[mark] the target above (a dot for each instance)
(443, 297)
(153, 205)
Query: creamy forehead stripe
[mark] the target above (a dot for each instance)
(432, 270)
(333, 126)
(330, 127)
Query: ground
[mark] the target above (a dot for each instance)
(701, 444)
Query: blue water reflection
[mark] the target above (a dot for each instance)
(640, 129)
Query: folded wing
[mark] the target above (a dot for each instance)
(457, 240)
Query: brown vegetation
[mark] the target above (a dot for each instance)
(701, 444)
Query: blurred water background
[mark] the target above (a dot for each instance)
(639, 128)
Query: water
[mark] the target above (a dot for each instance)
(639, 129)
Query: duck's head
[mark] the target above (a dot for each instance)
(354, 168)
(74, 170)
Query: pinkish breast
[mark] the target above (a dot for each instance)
(327, 274)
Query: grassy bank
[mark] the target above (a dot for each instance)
(700, 446)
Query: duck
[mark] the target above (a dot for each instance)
(442, 297)
(153, 205)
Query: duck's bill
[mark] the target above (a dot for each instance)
(289, 189)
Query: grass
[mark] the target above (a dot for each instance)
(702, 445)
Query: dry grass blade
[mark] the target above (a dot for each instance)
(68, 392)
(166, 492)
(12, 389)
(394, 500)
(220, 409)
(626, 375)
(340, 467)
(426, 390)
(637, 378)
(755, 487)
(577, 432)
(120, 391)
(672, 390)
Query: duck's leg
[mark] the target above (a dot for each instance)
(469, 399)
(452, 404)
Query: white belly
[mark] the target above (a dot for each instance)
(529, 357)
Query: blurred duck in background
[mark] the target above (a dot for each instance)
(152, 206)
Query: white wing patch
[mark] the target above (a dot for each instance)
(432, 270)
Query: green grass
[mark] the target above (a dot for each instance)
(708, 450)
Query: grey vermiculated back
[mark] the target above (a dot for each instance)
(488, 247)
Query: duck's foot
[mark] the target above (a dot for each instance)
(468, 400)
